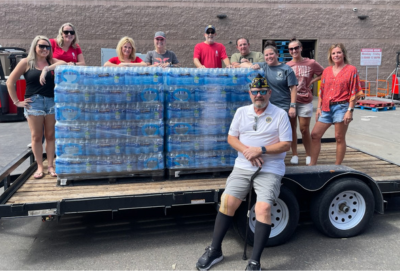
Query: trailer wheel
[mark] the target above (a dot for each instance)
(343, 209)
(284, 217)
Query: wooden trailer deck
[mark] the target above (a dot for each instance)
(46, 189)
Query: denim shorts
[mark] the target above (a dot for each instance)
(336, 114)
(40, 106)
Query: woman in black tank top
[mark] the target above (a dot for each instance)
(38, 70)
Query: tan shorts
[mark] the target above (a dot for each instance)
(266, 185)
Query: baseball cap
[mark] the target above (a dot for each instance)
(159, 34)
(208, 27)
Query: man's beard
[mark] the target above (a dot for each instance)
(260, 106)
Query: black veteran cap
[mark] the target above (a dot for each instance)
(259, 82)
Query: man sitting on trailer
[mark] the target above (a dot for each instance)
(261, 134)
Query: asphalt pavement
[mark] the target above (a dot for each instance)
(149, 240)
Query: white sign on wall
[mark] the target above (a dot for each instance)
(371, 57)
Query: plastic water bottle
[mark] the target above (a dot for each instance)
(76, 129)
(119, 76)
(136, 142)
(145, 145)
(67, 75)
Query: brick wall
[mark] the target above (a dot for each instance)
(100, 24)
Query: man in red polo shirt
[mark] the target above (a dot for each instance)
(208, 54)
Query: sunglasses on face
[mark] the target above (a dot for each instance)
(66, 32)
(44, 46)
(294, 48)
(262, 92)
(160, 39)
(210, 32)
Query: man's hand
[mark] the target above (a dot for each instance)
(252, 152)
(244, 60)
(258, 162)
(255, 66)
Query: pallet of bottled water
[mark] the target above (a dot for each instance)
(109, 122)
(200, 105)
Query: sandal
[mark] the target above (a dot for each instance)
(38, 175)
(52, 172)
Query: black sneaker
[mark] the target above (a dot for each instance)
(209, 258)
(253, 265)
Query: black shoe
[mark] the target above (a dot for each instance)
(209, 258)
(253, 265)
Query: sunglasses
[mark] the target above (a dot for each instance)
(210, 32)
(160, 39)
(43, 46)
(262, 92)
(255, 123)
(294, 48)
(69, 31)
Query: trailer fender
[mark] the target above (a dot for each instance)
(316, 178)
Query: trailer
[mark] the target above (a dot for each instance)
(341, 199)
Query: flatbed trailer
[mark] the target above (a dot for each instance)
(340, 199)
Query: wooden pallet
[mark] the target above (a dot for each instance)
(374, 104)
(112, 177)
(376, 109)
(186, 173)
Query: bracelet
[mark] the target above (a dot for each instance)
(15, 103)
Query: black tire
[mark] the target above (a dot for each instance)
(282, 229)
(336, 223)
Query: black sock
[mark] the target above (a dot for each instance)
(261, 235)
(222, 224)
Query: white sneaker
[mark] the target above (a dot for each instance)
(308, 160)
(294, 160)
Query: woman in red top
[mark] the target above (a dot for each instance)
(305, 69)
(126, 52)
(65, 46)
(340, 89)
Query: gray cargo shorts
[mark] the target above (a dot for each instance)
(266, 185)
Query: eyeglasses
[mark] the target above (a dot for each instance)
(210, 32)
(160, 39)
(262, 92)
(43, 46)
(69, 31)
(294, 48)
(255, 123)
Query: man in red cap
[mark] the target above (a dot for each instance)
(208, 54)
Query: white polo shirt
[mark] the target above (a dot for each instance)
(273, 126)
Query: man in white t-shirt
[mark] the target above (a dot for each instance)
(262, 135)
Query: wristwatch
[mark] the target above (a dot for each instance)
(350, 109)
(263, 150)
(293, 105)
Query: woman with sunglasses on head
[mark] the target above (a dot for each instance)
(305, 69)
(65, 46)
(38, 70)
(339, 91)
(280, 77)
(161, 57)
(126, 55)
